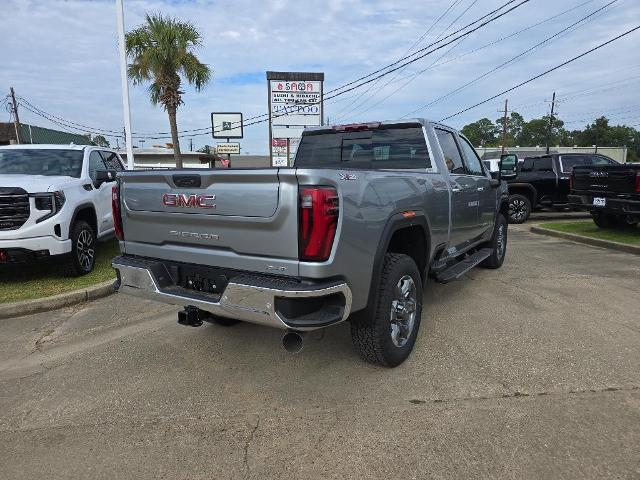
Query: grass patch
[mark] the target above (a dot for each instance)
(630, 236)
(45, 279)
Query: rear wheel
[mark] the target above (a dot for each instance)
(519, 208)
(605, 220)
(83, 250)
(498, 244)
(389, 336)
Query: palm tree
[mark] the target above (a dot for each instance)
(161, 51)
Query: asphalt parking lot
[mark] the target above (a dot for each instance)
(531, 371)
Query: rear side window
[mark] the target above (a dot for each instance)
(376, 149)
(543, 164)
(451, 153)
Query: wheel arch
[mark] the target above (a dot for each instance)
(86, 212)
(409, 235)
(525, 189)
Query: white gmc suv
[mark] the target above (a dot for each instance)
(55, 201)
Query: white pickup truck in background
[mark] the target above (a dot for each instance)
(55, 201)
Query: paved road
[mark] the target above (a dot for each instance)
(529, 372)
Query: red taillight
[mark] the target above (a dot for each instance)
(318, 210)
(117, 216)
(637, 182)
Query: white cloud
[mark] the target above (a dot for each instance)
(62, 56)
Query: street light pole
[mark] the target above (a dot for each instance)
(125, 83)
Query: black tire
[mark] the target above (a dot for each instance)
(498, 244)
(605, 220)
(519, 208)
(82, 258)
(380, 339)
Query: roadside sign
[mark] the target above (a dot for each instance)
(295, 102)
(279, 152)
(226, 125)
(229, 148)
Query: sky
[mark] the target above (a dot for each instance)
(62, 58)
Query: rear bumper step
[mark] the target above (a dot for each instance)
(275, 302)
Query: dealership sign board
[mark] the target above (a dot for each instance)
(295, 102)
(229, 148)
(226, 125)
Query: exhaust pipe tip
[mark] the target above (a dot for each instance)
(292, 341)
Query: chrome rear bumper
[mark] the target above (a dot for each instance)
(249, 298)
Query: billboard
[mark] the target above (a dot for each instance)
(295, 102)
(226, 125)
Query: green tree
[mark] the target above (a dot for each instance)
(515, 123)
(480, 133)
(535, 131)
(161, 51)
(100, 140)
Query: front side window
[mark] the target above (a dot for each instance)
(95, 163)
(449, 147)
(49, 162)
(473, 161)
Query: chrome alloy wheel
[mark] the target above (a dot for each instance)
(85, 250)
(403, 311)
(517, 209)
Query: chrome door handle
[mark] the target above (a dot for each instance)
(481, 189)
(456, 190)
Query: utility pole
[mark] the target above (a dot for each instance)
(553, 105)
(505, 120)
(124, 82)
(16, 118)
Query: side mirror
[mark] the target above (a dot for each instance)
(105, 176)
(508, 166)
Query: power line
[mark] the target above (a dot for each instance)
(413, 76)
(352, 85)
(546, 72)
(511, 60)
(340, 113)
(356, 97)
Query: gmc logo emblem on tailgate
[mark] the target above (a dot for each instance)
(188, 201)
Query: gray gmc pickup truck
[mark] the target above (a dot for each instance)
(351, 231)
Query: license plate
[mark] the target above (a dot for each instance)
(599, 201)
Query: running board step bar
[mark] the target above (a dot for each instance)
(456, 271)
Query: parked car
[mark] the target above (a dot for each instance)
(55, 203)
(544, 181)
(610, 192)
(351, 231)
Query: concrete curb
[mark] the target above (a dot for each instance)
(28, 307)
(594, 242)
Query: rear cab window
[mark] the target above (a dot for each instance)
(386, 147)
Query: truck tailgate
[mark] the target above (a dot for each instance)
(611, 178)
(240, 219)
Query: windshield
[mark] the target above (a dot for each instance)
(41, 162)
(568, 162)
